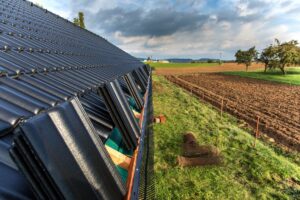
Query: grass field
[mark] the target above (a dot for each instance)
(292, 76)
(247, 172)
(181, 65)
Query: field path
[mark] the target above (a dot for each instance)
(277, 105)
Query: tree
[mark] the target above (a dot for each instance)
(280, 55)
(76, 21)
(246, 57)
(80, 20)
(288, 53)
(268, 57)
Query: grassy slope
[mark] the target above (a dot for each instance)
(247, 173)
(292, 76)
(180, 65)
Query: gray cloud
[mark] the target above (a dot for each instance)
(160, 21)
(157, 22)
(181, 28)
(254, 4)
(232, 15)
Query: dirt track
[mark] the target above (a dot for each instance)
(190, 70)
(277, 105)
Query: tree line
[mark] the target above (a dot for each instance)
(275, 56)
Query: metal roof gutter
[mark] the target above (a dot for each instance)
(134, 178)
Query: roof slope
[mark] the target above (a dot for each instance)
(45, 61)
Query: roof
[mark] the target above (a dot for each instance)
(49, 65)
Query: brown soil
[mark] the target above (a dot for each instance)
(277, 105)
(191, 70)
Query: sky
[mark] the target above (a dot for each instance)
(185, 28)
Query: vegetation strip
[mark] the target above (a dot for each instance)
(291, 77)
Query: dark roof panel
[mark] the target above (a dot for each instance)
(82, 161)
(49, 65)
(30, 90)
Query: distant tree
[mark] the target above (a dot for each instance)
(288, 53)
(280, 55)
(76, 21)
(268, 57)
(220, 62)
(246, 57)
(80, 20)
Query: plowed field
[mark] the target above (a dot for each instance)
(207, 69)
(276, 105)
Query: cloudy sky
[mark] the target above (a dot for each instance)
(185, 28)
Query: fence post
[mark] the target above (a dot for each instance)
(257, 130)
(222, 104)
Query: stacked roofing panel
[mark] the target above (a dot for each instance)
(63, 90)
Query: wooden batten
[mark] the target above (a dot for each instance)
(131, 173)
(119, 158)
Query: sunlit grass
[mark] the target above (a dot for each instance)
(292, 76)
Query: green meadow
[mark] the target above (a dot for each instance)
(292, 76)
